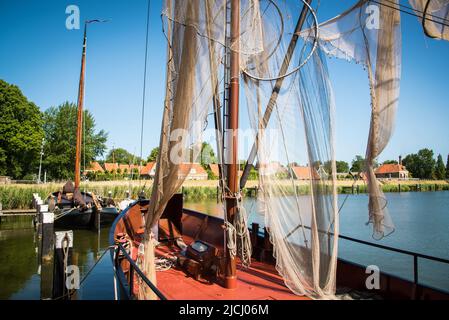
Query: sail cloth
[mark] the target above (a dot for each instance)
(369, 34)
(435, 17)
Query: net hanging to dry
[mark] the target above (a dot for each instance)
(435, 17)
(301, 216)
(195, 32)
(370, 34)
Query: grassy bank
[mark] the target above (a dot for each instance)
(19, 196)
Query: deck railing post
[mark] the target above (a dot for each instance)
(415, 276)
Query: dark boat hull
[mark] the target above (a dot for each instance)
(75, 219)
(108, 216)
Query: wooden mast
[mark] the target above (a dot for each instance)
(233, 125)
(79, 128)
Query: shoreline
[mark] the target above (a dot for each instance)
(18, 196)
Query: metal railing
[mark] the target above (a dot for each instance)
(134, 268)
(415, 255)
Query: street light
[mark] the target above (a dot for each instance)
(40, 163)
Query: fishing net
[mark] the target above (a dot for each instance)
(370, 34)
(195, 32)
(291, 111)
(292, 117)
(435, 17)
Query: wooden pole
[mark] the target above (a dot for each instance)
(233, 125)
(46, 255)
(79, 127)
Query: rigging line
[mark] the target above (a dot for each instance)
(144, 87)
(416, 10)
(409, 13)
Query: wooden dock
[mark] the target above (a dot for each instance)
(6, 214)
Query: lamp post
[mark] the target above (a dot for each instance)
(40, 162)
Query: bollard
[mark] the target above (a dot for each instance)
(62, 260)
(46, 255)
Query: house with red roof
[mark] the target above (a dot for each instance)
(149, 170)
(94, 167)
(392, 171)
(111, 167)
(304, 173)
(192, 171)
(124, 168)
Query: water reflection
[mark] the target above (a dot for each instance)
(421, 219)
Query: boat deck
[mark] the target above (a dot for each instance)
(259, 282)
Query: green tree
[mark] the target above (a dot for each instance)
(153, 155)
(21, 133)
(122, 156)
(447, 167)
(207, 155)
(358, 164)
(440, 170)
(390, 162)
(342, 167)
(60, 132)
(421, 165)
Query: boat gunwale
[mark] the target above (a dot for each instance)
(125, 285)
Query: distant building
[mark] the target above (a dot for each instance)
(124, 168)
(149, 170)
(111, 167)
(392, 171)
(192, 171)
(94, 167)
(5, 180)
(304, 173)
(272, 168)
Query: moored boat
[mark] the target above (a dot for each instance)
(190, 254)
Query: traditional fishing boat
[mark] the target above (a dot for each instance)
(165, 251)
(75, 208)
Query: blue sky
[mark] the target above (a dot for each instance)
(42, 57)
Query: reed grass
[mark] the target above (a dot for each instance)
(19, 196)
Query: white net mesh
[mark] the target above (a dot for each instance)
(370, 34)
(435, 15)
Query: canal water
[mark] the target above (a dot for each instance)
(421, 219)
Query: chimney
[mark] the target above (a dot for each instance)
(400, 160)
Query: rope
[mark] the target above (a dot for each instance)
(244, 246)
(238, 240)
(64, 213)
(164, 264)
